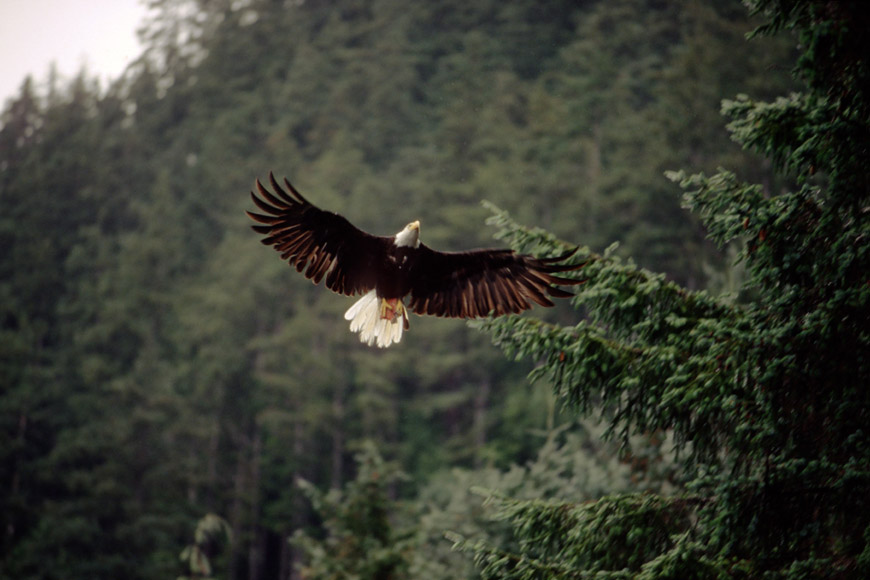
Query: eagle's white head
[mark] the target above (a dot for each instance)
(410, 236)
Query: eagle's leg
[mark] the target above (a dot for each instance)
(389, 308)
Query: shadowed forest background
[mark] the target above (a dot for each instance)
(159, 364)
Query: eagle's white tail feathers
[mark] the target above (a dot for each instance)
(374, 329)
(355, 312)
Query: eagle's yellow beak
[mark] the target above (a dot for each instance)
(415, 225)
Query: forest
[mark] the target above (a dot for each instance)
(177, 402)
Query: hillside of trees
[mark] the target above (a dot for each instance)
(175, 400)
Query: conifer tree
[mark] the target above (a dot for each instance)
(766, 396)
(362, 541)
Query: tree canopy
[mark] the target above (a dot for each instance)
(766, 396)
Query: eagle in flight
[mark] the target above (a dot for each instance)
(387, 269)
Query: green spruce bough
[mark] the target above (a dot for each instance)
(767, 394)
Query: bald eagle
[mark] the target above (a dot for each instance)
(387, 269)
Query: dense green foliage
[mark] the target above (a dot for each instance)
(767, 397)
(157, 364)
(361, 540)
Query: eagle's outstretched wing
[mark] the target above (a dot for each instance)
(323, 242)
(473, 284)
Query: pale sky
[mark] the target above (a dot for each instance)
(98, 33)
